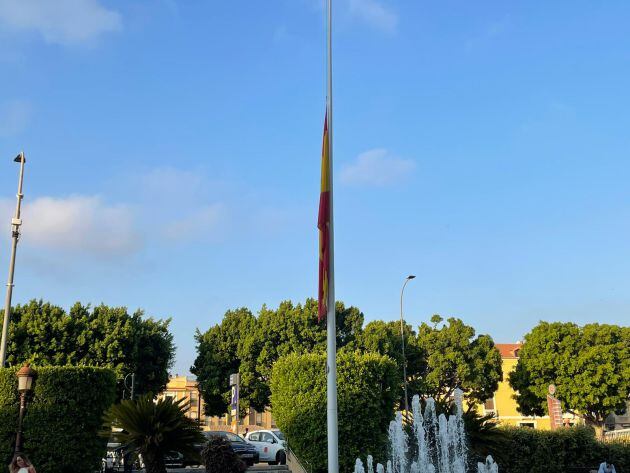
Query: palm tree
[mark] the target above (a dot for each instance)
(153, 429)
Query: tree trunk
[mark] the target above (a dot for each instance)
(598, 426)
(154, 462)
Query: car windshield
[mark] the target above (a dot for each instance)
(226, 435)
(233, 437)
(278, 434)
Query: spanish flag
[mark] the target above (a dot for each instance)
(323, 224)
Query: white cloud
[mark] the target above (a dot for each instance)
(77, 223)
(374, 14)
(14, 117)
(60, 21)
(378, 168)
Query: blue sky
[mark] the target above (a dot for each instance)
(173, 157)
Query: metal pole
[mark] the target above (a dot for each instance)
(133, 385)
(18, 438)
(15, 231)
(238, 394)
(402, 338)
(331, 323)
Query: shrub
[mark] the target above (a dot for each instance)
(219, 457)
(573, 449)
(62, 420)
(367, 387)
(153, 429)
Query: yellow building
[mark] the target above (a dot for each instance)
(503, 404)
(180, 387)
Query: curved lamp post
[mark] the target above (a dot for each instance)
(402, 337)
(25, 384)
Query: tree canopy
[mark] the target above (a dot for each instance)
(249, 345)
(384, 338)
(589, 365)
(439, 359)
(455, 358)
(44, 334)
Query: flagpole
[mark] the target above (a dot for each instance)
(331, 323)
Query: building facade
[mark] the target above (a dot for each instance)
(181, 387)
(504, 406)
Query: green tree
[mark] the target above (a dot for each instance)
(589, 365)
(218, 356)
(384, 338)
(44, 334)
(153, 429)
(455, 358)
(248, 345)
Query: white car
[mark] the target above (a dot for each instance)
(271, 446)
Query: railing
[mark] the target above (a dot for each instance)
(622, 436)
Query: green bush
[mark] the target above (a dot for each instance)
(574, 449)
(63, 417)
(367, 387)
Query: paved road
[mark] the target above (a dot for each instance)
(259, 467)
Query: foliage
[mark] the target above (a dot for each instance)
(367, 392)
(589, 365)
(62, 419)
(218, 457)
(250, 346)
(384, 338)
(218, 352)
(44, 334)
(153, 429)
(483, 435)
(526, 450)
(453, 358)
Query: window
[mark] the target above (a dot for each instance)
(258, 418)
(254, 437)
(529, 425)
(489, 405)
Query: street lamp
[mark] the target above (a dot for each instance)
(402, 337)
(16, 222)
(25, 384)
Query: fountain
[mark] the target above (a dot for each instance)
(441, 443)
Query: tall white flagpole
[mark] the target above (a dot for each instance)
(331, 323)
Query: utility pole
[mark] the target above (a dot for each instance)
(16, 222)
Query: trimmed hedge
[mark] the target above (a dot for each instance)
(63, 417)
(367, 388)
(567, 450)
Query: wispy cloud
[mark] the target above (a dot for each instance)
(377, 167)
(60, 21)
(14, 117)
(205, 223)
(84, 224)
(375, 14)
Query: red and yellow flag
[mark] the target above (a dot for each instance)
(323, 224)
